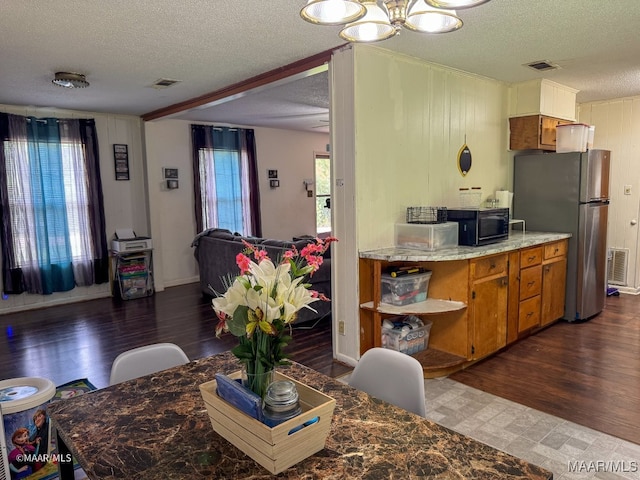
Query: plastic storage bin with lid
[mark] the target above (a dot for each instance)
(25, 427)
(573, 137)
(405, 288)
(428, 237)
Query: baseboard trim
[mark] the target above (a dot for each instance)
(181, 281)
(628, 290)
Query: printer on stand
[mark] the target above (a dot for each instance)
(125, 240)
(133, 264)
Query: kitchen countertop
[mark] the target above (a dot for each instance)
(516, 241)
(156, 427)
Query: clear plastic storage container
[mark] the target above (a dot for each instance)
(405, 289)
(572, 137)
(406, 334)
(427, 236)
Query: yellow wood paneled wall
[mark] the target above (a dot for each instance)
(411, 120)
(617, 125)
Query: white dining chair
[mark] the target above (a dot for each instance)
(391, 376)
(146, 360)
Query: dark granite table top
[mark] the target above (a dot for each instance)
(157, 427)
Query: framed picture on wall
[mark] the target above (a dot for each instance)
(170, 173)
(121, 161)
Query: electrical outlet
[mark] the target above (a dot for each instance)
(341, 327)
(627, 189)
(309, 193)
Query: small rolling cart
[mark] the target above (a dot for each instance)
(133, 274)
(132, 265)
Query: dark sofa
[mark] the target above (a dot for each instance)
(216, 250)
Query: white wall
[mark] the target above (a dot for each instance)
(617, 125)
(125, 201)
(410, 119)
(286, 211)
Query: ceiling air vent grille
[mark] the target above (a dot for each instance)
(617, 266)
(542, 65)
(164, 83)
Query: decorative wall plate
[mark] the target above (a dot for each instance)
(464, 160)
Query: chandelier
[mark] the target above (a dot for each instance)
(372, 21)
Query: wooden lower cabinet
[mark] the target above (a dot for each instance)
(488, 305)
(488, 316)
(476, 306)
(554, 281)
(529, 314)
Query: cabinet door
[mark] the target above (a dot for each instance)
(489, 316)
(534, 132)
(554, 280)
(548, 131)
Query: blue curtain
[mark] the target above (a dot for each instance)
(226, 179)
(226, 159)
(49, 205)
(52, 233)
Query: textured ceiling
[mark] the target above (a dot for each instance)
(124, 46)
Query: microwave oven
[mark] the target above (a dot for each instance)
(480, 226)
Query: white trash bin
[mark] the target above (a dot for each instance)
(25, 430)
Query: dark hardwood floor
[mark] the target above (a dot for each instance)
(81, 340)
(587, 373)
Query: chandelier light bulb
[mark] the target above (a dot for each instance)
(426, 19)
(332, 12)
(373, 27)
(455, 4)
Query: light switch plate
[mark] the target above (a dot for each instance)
(627, 189)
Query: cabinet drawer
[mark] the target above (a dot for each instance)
(556, 249)
(530, 282)
(529, 314)
(530, 257)
(489, 266)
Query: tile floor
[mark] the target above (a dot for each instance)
(570, 451)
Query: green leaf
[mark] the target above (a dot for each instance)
(238, 324)
(241, 352)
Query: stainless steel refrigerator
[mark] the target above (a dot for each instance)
(569, 192)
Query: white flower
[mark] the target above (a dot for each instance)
(268, 288)
(234, 296)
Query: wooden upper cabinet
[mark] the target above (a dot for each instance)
(534, 132)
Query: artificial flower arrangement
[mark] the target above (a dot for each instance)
(262, 302)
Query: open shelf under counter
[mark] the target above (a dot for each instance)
(429, 306)
(436, 363)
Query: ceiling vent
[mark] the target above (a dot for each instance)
(164, 83)
(542, 66)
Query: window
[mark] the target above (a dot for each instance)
(323, 193)
(226, 180)
(51, 204)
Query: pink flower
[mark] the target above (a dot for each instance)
(260, 255)
(319, 296)
(314, 261)
(243, 263)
